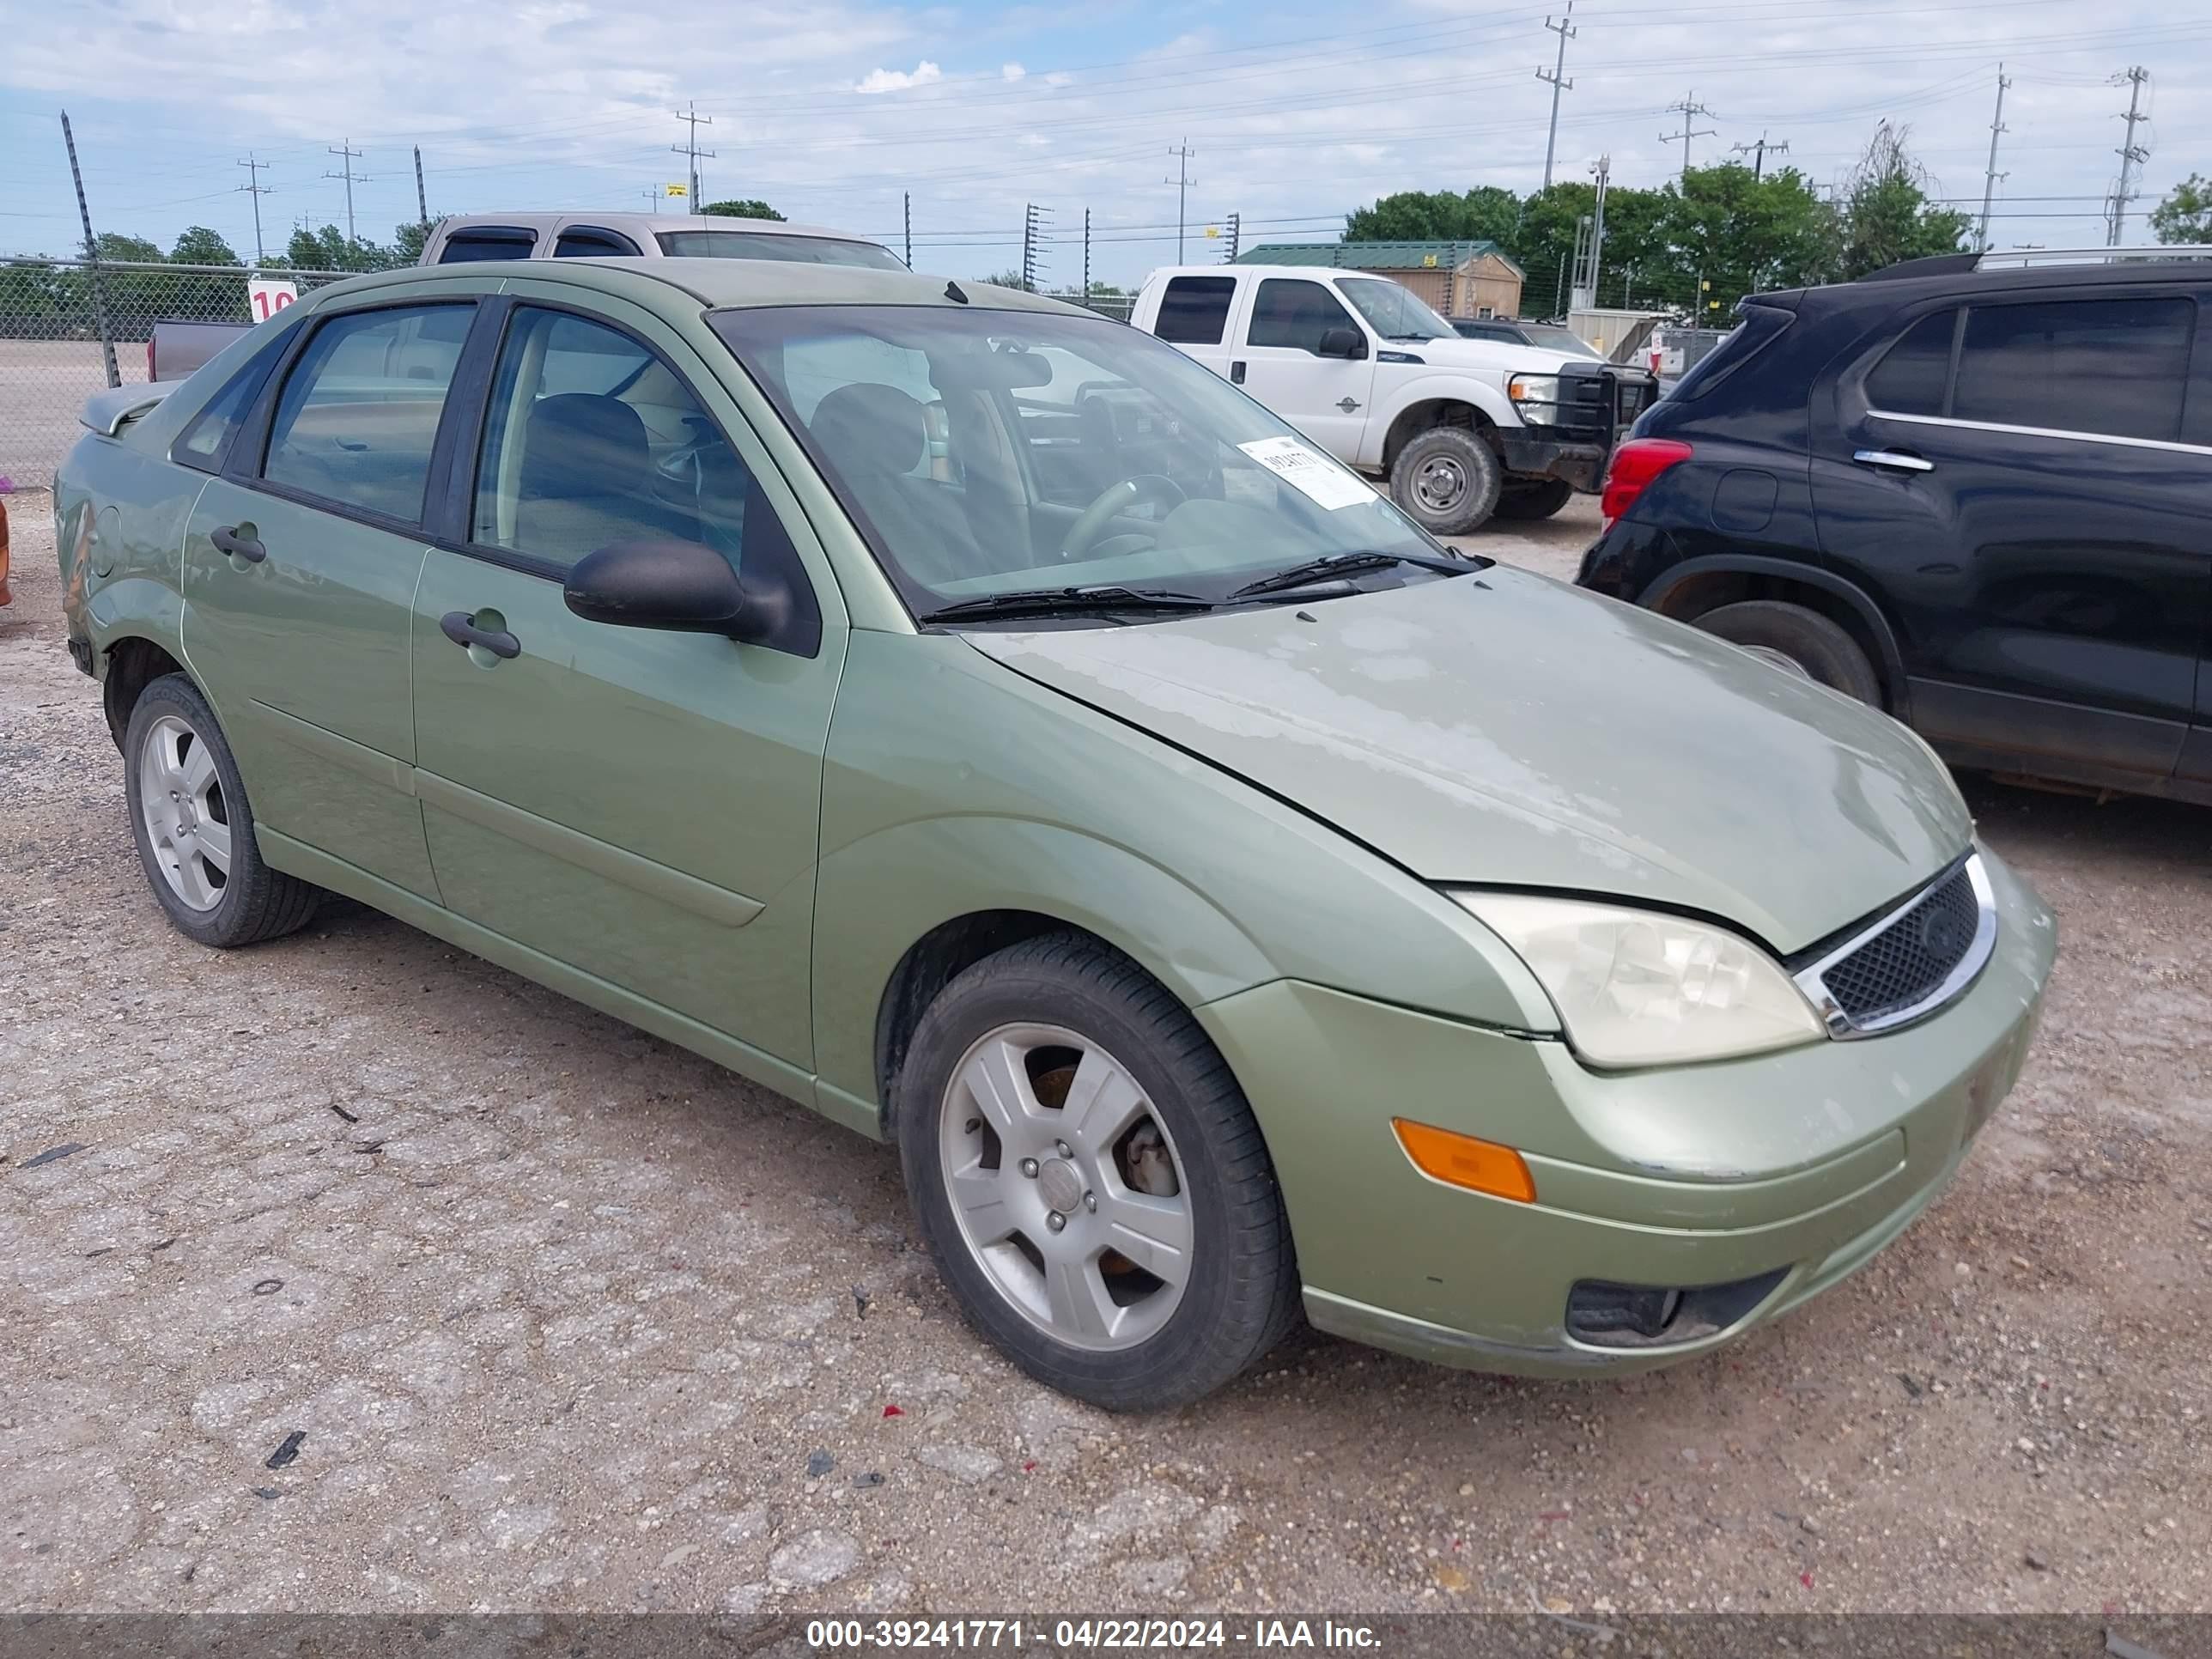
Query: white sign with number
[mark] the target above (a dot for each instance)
(267, 298)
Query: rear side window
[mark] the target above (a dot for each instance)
(359, 413)
(2117, 368)
(488, 242)
(1761, 326)
(776, 244)
(1912, 375)
(1194, 310)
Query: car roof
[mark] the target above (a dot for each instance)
(726, 284)
(642, 224)
(1964, 276)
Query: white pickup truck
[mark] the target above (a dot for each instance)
(1463, 429)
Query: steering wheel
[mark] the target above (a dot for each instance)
(1114, 500)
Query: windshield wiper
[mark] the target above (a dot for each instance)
(1344, 564)
(1065, 602)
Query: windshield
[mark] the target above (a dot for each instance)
(1552, 338)
(985, 452)
(1393, 310)
(770, 245)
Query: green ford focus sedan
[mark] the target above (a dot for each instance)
(972, 718)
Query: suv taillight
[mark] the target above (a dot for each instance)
(1635, 464)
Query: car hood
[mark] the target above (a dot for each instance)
(1502, 357)
(1502, 729)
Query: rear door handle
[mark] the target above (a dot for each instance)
(461, 628)
(227, 540)
(1236, 371)
(1901, 460)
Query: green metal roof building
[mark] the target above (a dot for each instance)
(1459, 279)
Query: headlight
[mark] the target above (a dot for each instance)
(1535, 397)
(1638, 988)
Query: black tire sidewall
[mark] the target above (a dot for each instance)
(1486, 478)
(1183, 1360)
(1817, 644)
(172, 694)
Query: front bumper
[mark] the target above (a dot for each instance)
(1800, 1164)
(1581, 465)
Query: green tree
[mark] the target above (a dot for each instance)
(407, 240)
(2185, 215)
(1483, 214)
(1887, 215)
(199, 245)
(747, 208)
(1740, 234)
(1005, 279)
(329, 249)
(128, 250)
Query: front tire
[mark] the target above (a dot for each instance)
(1796, 638)
(1447, 480)
(1538, 499)
(1091, 1180)
(194, 828)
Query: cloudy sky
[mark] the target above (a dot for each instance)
(1293, 114)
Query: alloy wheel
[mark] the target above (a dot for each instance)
(181, 806)
(1067, 1189)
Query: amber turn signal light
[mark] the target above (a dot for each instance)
(1481, 1166)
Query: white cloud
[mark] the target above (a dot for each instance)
(1058, 78)
(883, 80)
(1012, 71)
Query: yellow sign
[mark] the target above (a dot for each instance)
(675, 190)
(1428, 262)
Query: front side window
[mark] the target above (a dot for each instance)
(2117, 368)
(771, 245)
(1194, 310)
(1395, 311)
(359, 414)
(1290, 312)
(982, 452)
(1913, 374)
(591, 438)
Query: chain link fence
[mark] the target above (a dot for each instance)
(59, 319)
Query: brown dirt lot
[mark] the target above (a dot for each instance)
(564, 1312)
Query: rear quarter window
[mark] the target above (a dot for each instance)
(1762, 325)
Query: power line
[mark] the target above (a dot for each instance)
(690, 146)
(345, 148)
(1565, 28)
(1688, 109)
(257, 190)
(2131, 153)
(1989, 179)
(1182, 183)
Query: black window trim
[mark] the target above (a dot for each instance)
(635, 252)
(249, 445)
(463, 452)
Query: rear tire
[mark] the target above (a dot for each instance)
(194, 829)
(1817, 647)
(1447, 480)
(1091, 1180)
(1537, 499)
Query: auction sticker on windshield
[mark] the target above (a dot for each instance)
(1308, 472)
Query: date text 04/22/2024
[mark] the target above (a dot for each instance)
(1087, 1635)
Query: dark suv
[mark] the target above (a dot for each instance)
(1977, 491)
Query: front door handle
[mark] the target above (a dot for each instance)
(1347, 405)
(1901, 460)
(461, 628)
(227, 540)
(1236, 371)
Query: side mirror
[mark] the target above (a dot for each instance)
(682, 586)
(1343, 343)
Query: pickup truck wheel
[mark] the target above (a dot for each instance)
(1795, 638)
(1091, 1180)
(1447, 480)
(1537, 499)
(194, 829)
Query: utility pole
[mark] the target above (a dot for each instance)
(1688, 109)
(91, 253)
(1181, 181)
(422, 200)
(1565, 28)
(1990, 179)
(1086, 256)
(256, 190)
(1756, 151)
(690, 146)
(1033, 234)
(346, 149)
(1584, 290)
(906, 218)
(2131, 153)
(1236, 237)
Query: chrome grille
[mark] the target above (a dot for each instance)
(1912, 961)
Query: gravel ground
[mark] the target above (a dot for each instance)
(351, 1273)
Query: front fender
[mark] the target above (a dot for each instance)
(1428, 386)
